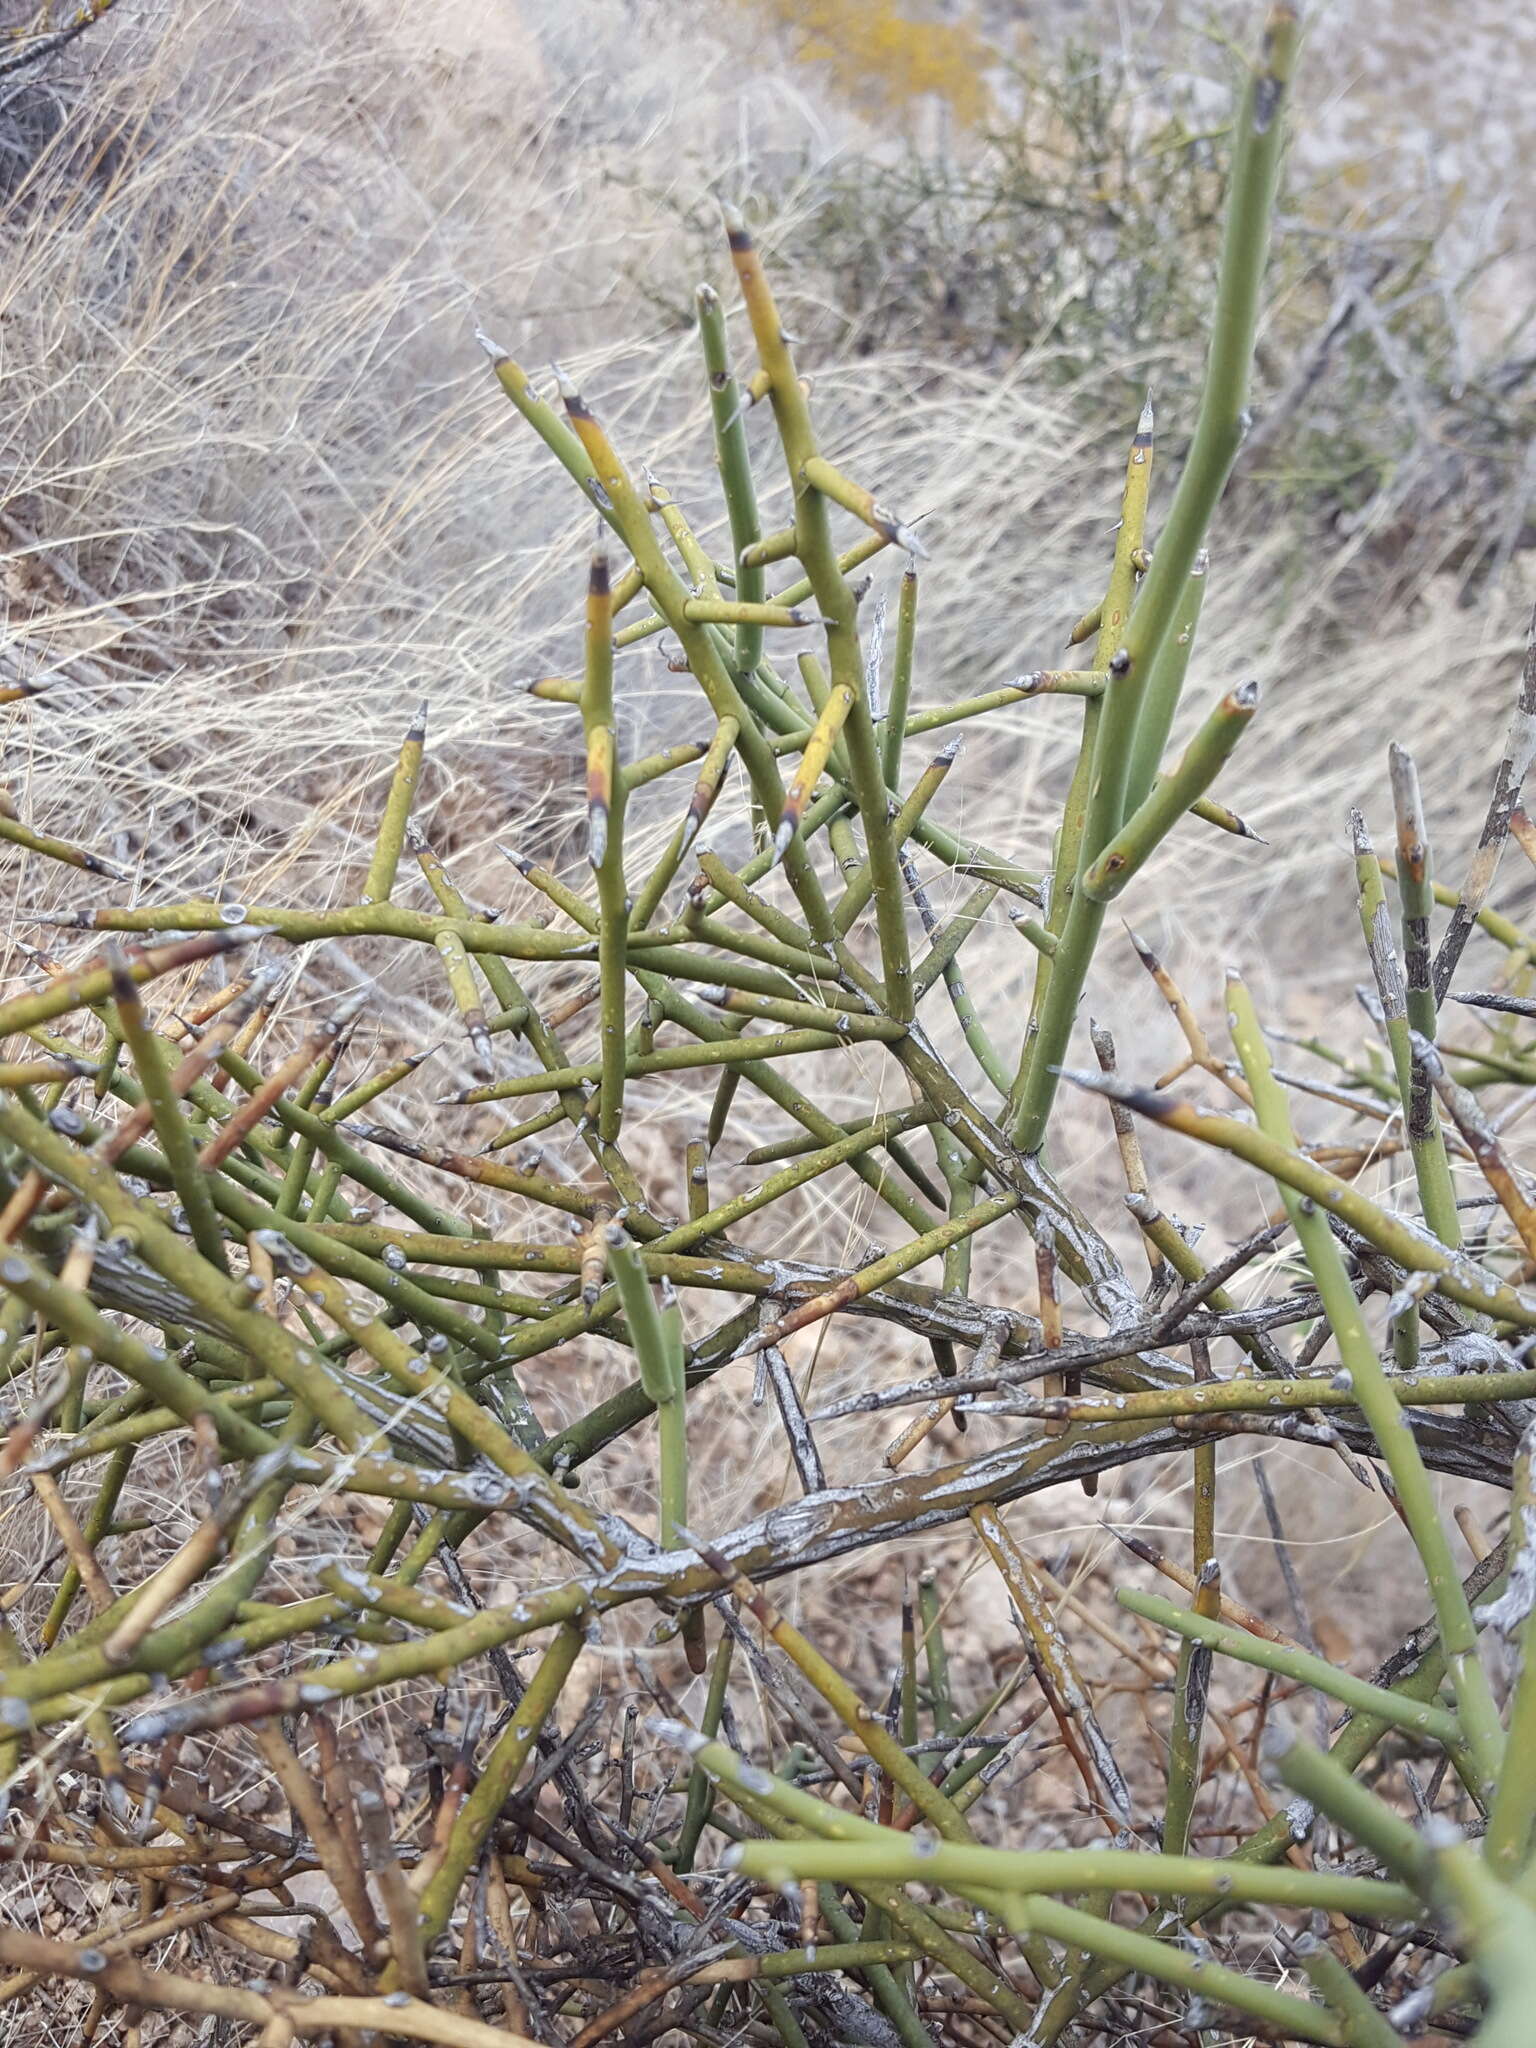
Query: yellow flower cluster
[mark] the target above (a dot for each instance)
(885, 60)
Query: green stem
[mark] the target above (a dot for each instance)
(1478, 1719)
(481, 1810)
(1213, 450)
(1198, 766)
